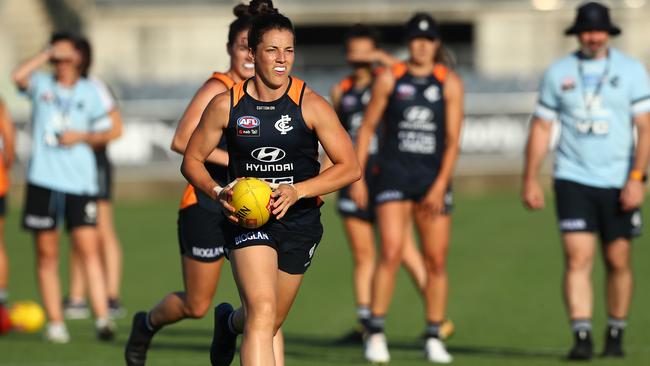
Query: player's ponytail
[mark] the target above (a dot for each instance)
(262, 7)
(265, 18)
(242, 23)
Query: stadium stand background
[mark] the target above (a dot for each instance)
(155, 53)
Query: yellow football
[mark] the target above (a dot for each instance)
(251, 199)
(26, 316)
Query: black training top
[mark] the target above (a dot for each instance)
(415, 119)
(351, 108)
(270, 140)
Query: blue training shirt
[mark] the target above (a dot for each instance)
(595, 102)
(56, 109)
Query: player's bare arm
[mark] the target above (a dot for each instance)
(453, 94)
(202, 142)
(191, 117)
(7, 133)
(95, 139)
(634, 190)
(536, 150)
(22, 73)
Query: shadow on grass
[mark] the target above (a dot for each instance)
(328, 348)
(505, 352)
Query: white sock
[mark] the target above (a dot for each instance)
(102, 322)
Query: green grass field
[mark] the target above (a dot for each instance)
(505, 267)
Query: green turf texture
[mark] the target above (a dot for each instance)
(505, 267)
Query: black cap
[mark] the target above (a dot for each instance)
(422, 25)
(593, 16)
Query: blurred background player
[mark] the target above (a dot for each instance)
(350, 97)
(269, 262)
(200, 217)
(421, 103)
(62, 175)
(75, 306)
(599, 95)
(6, 161)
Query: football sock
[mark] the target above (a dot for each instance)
(616, 323)
(375, 324)
(3, 296)
(581, 325)
(433, 329)
(152, 328)
(102, 322)
(231, 326)
(363, 313)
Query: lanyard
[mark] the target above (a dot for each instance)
(586, 99)
(64, 106)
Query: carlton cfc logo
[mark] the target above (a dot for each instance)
(248, 122)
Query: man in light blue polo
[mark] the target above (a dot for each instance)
(600, 97)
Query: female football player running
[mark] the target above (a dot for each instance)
(290, 120)
(200, 234)
(421, 102)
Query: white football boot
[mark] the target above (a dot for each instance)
(376, 348)
(56, 333)
(436, 352)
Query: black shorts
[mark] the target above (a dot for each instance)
(104, 176)
(3, 205)
(347, 207)
(45, 208)
(200, 234)
(398, 183)
(582, 208)
(294, 238)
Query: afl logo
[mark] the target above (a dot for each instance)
(248, 122)
(405, 91)
(268, 154)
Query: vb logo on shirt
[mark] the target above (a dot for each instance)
(282, 124)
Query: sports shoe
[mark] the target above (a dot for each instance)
(613, 343)
(135, 351)
(376, 348)
(75, 309)
(435, 351)
(105, 329)
(224, 341)
(56, 333)
(115, 309)
(583, 347)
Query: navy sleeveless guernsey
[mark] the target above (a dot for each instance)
(413, 141)
(270, 140)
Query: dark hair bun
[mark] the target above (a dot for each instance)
(241, 11)
(262, 7)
